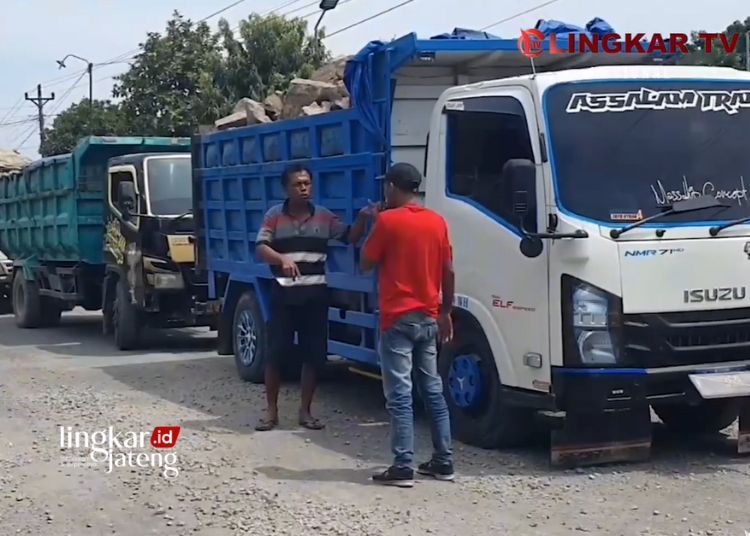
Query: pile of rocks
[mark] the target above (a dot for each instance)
(12, 161)
(323, 92)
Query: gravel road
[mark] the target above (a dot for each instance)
(233, 480)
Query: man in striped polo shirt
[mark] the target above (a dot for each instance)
(293, 240)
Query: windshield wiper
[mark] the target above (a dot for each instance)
(713, 231)
(688, 205)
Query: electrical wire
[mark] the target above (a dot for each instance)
(371, 17)
(54, 108)
(501, 21)
(280, 7)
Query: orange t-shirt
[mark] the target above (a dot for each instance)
(411, 246)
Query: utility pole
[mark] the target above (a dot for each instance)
(39, 102)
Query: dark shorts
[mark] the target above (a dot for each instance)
(309, 321)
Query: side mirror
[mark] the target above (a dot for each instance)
(126, 197)
(520, 175)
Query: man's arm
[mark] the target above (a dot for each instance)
(374, 248)
(264, 250)
(448, 285)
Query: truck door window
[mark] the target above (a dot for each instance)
(114, 187)
(479, 143)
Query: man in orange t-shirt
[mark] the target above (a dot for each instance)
(409, 245)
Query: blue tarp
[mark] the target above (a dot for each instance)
(594, 26)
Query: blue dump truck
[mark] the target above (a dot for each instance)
(108, 226)
(552, 174)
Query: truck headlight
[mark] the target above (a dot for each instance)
(592, 326)
(165, 281)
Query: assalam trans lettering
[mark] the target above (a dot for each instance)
(730, 102)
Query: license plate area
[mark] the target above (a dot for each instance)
(722, 385)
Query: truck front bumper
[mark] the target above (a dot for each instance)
(603, 415)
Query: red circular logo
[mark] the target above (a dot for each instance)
(530, 43)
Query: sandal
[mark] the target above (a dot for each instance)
(265, 425)
(311, 423)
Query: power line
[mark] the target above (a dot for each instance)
(518, 15)
(371, 17)
(279, 8)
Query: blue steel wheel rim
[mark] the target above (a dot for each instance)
(247, 338)
(465, 381)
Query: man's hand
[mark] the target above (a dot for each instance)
(371, 211)
(445, 327)
(289, 267)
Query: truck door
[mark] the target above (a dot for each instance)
(506, 292)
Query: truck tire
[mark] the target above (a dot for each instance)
(479, 414)
(710, 417)
(26, 303)
(125, 321)
(250, 342)
(51, 312)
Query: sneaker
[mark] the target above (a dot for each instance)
(402, 477)
(443, 471)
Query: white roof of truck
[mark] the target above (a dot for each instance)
(635, 72)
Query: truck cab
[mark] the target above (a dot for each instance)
(611, 270)
(148, 246)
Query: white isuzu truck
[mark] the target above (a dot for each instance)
(601, 227)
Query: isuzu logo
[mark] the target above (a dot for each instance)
(700, 295)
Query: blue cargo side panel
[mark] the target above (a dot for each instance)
(242, 180)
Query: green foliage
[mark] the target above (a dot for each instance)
(718, 57)
(101, 119)
(269, 53)
(191, 76)
(171, 87)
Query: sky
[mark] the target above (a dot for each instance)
(36, 33)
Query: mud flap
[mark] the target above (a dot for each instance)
(743, 436)
(613, 435)
(729, 385)
(607, 419)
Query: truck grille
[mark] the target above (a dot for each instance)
(690, 338)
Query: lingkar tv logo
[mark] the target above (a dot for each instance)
(122, 449)
(530, 43)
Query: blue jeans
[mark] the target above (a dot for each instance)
(413, 339)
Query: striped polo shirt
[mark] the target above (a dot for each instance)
(303, 241)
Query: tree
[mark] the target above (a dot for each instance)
(171, 88)
(78, 121)
(270, 52)
(718, 56)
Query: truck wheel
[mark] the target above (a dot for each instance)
(249, 332)
(710, 417)
(51, 312)
(26, 302)
(125, 320)
(479, 414)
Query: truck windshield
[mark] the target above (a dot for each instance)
(169, 186)
(621, 151)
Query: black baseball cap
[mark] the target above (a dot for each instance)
(404, 176)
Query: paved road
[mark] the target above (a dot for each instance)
(233, 480)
